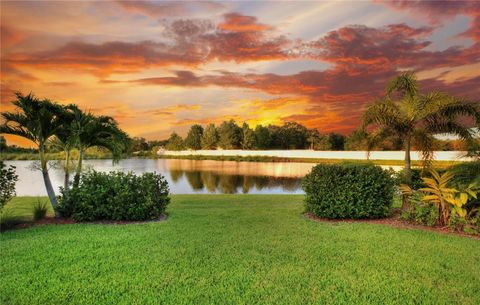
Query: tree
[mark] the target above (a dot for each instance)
(323, 143)
(313, 137)
(210, 137)
(194, 137)
(337, 141)
(65, 140)
(175, 142)
(36, 120)
(139, 144)
(97, 131)
(8, 178)
(416, 118)
(229, 135)
(357, 140)
(248, 137)
(262, 137)
(292, 136)
(3, 143)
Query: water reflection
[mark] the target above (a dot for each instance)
(187, 176)
(214, 182)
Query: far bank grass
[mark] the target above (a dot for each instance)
(438, 164)
(102, 155)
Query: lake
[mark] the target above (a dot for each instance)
(184, 176)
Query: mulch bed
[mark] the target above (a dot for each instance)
(393, 221)
(66, 221)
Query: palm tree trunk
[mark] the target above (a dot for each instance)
(66, 168)
(408, 163)
(76, 179)
(48, 182)
(407, 173)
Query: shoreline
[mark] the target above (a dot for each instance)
(302, 160)
(236, 158)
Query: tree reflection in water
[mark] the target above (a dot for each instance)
(214, 182)
(230, 177)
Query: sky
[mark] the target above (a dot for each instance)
(158, 66)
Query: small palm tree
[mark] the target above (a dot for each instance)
(65, 141)
(416, 118)
(38, 121)
(97, 131)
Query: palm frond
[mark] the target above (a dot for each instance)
(405, 84)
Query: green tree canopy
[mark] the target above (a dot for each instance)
(210, 137)
(175, 142)
(262, 137)
(194, 137)
(229, 135)
(248, 137)
(292, 136)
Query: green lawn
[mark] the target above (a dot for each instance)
(236, 249)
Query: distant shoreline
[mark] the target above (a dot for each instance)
(439, 164)
(233, 156)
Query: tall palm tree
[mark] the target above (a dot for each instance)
(97, 131)
(36, 120)
(416, 118)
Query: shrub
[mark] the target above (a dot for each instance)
(348, 191)
(40, 209)
(465, 173)
(425, 214)
(416, 175)
(116, 196)
(8, 178)
(8, 219)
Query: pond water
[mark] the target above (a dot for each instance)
(184, 176)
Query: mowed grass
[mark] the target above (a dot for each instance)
(236, 249)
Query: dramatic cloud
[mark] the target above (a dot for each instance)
(438, 11)
(10, 36)
(159, 66)
(162, 9)
(388, 48)
(187, 43)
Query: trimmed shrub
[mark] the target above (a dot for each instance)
(116, 196)
(348, 191)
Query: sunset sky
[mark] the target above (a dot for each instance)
(163, 66)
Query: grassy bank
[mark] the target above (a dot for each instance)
(235, 249)
(438, 164)
(60, 156)
(50, 156)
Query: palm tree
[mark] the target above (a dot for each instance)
(416, 118)
(96, 131)
(65, 140)
(36, 120)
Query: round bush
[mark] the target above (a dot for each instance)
(116, 196)
(348, 191)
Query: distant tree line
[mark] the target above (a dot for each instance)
(229, 135)
(5, 148)
(290, 135)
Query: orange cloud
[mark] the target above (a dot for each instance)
(235, 22)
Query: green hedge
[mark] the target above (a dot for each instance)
(116, 196)
(348, 191)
